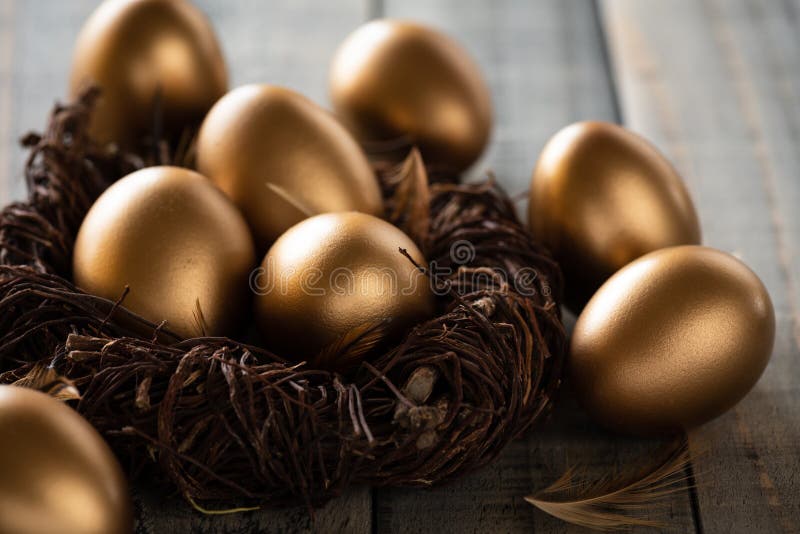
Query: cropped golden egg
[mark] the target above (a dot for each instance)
(601, 196)
(332, 275)
(58, 475)
(180, 245)
(671, 341)
(281, 158)
(136, 49)
(396, 80)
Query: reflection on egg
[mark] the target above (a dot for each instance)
(179, 244)
(58, 475)
(136, 49)
(395, 80)
(600, 197)
(671, 341)
(281, 158)
(334, 273)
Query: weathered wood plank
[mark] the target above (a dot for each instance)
(6, 77)
(287, 43)
(718, 89)
(546, 67)
(35, 47)
(158, 513)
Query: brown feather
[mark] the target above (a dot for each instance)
(352, 346)
(411, 210)
(199, 319)
(619, 501)
(303, 211)
(45, 379)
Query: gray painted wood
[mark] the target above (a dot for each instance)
(545, 64)
(158, 513)
(718, 89)
(35, 47)
(6, 77)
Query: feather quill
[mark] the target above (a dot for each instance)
(619, 501)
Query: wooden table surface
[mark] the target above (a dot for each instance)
(714, 83)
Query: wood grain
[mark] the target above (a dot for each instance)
(159, 513)
(718, 89)
(6, 77)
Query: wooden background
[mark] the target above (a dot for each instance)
(714, 83)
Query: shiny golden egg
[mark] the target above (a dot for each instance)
(58, 475)
(601, 196)
(335, 275)
(180, 245)
(281, 158)
(135, 50)
(396, 80)
(671, 341)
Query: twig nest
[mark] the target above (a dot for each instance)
(230, 422)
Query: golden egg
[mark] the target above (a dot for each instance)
(134, 49)
(671, 341)
(180, 245)
(281, 158)
(58, 475)
(334, 274)
(601, 196)
(394, 80)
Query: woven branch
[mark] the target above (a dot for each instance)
(228, 423)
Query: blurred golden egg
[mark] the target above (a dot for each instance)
(58, 475)
(134, 49)
(671, 341)
(333, 274)
(601, 196)
(395, 80)
(180, 245)
(281, 158)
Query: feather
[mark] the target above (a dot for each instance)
(45, 379)
(199, 319)
(303, 211)
(411, 211)
(352, 345)
(618, 501)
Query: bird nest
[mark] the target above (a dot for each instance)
(230, 423)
